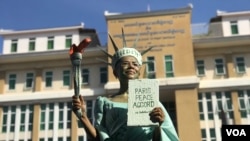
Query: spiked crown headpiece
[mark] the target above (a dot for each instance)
(125, 51)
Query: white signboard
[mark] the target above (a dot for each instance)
(142, 98)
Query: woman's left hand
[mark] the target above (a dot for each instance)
(157, 115)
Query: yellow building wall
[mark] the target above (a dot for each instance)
(2, 81)
(36, 123)
(169, 34)
(187, 115)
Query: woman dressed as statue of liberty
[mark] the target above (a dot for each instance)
(111, 112)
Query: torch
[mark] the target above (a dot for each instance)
(75, 53)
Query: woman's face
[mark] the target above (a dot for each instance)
(127, 68)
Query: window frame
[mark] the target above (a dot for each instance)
(90, 110)
(5, 119)
(48, 79)
(103, 75)
(68, 41)
(50, 43)
(234, 27)
(14, 44)
(32, 44)
(150, 67)
(61, 117)
(29, 83)
(218, 66)
(13, 109)
(42, 125)
(85, 74)
(244, 102)
(28, 116)
(200, 67)
(240, 64)
(66, 78)
(12, 81)
(169, 62)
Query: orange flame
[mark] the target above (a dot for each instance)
(80, 48)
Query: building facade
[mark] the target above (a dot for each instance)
(201, 77)
(36, 83)
(221, 58)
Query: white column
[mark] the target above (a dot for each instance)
(65, 116)
(8, 123)
(27, 117)
(217, 123)
(46, 122)
(247, 107)
(17, 123)
(55, 122)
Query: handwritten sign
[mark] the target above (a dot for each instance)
(143, 97)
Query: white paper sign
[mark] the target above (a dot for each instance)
(142, 98)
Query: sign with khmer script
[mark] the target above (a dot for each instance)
(143, 97)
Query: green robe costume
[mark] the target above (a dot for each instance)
(111, 123)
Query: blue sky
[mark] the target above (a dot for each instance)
(35, 14)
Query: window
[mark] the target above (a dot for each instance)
(67, 139)
(48, 113)
(212, 134)
(29, 80)
(69, 107)
(210, 107)
(234, 27)
(4, 120)
(81, 138)
(9, 122)
(210, 112)
(13, 46)
(22, 118)
(68, 41)
(89, 109)
(12, 118)
(200, 67)
(61, 115)
(240, 64)
(66, 78)
(48, 79)
(244, 103)
(169, 66)
(51, 115)
(224, 103)
(32, 44)
(47, 116)
(203, 134)
(12, 81)
(219, 67)
(150, 67)
(205, 106)
(50, 42)
(64, 115)
(26, 118)
(103, 75)
(85, 76)
(42, 117)
(200, 106)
